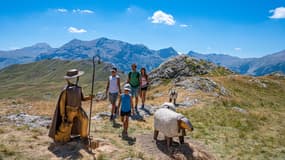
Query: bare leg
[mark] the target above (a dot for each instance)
(137, 99)
(113, 109)
(127, 123)
(143, 97)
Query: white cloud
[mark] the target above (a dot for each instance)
(237, 49)
(83, 11)
(162, 17)
(62, 10)
(183, 25)
(278, 13)
(76, 30)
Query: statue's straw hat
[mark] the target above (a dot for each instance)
(73, 73)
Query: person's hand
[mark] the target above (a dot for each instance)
(92, 96)
(133, 112)
(64, 118)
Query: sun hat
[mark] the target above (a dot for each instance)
(127, 87)
(73, 73)
(114, 69)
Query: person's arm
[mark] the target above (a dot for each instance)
(129, 76)
(119, 104)
(118, 83)
(107, 87)
(146, 77)
(86, 98)
(140, 80)
(132, 106)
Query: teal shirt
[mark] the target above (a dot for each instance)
(134, 79)
(126, 102)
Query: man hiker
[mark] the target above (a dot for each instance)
(69, 117)
(112, 90)
(134, 81)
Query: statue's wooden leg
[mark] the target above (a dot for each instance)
(181, 139)
(155, 134)
(168, 139)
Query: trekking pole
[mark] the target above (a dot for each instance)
(91, 101)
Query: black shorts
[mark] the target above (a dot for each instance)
(125, 113)
(144, 88)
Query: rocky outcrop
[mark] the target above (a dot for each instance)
(182, 66)
(185, 72)
(29, 120)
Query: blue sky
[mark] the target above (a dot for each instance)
(244, 28)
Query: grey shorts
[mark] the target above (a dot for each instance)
(113, 97)
(135, 91)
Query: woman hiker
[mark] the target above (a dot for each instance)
(144, 85)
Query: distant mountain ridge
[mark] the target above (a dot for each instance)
(119, 53)
(251, 66)
(23, 55)
(123, 54)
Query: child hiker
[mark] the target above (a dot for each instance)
(126, 105)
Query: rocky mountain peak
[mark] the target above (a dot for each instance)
(42, 46)
(184, 66)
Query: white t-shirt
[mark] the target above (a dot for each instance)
(113, 84)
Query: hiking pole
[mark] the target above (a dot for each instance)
(91, 101)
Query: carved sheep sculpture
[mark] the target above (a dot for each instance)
(171, 124)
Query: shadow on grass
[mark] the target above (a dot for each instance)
(131, 140)
(116, 125)
(138, 117)
(70, 150)
(176, 150)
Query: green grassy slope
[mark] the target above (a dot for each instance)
(256, 134)
(44, 79)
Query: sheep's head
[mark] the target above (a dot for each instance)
(185, 124)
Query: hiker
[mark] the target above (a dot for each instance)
(143, 85)
(113, 89)
(173, 95)
(69, 117)
(134, 81)
(126, 106)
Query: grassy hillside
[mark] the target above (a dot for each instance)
(246, 124)
(44, 79)
(256, 131)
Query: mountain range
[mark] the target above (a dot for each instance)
(122, 55)
(250, 66)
